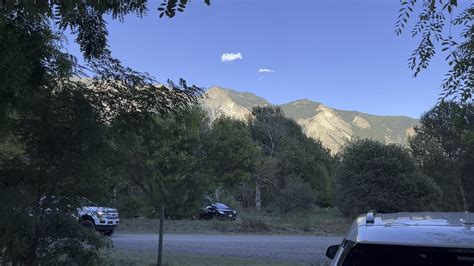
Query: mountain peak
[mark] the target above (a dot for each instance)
(214, 89)
(245, 99)
(304, 101)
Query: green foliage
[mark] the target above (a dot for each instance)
(295, 195)
(41, 185)
(288, 154)
(169, 7)
(162, 156)
(443, 147)
(374, 176)
(231, 153)
(268, 126)
(54, 147)
(51, 146)
(309, 160)
(10, 147)
(131, 201)
(49, 234)
(433, 27)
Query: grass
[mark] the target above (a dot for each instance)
(322, 222)
(254, 225)
(147, 258)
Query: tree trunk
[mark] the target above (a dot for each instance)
(31, 257)
(258, 200)
(217, 193)
(465, 204)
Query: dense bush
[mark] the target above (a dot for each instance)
(295, 195)
(374, 176)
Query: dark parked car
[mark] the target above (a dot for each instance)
(218, 210)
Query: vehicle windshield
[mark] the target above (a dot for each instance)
(369, 254)
(221, 206)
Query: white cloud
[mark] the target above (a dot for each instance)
(265, 70)
(229, 57)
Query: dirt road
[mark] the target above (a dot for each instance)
(303, 249)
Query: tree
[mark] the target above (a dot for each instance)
(40, 186)
(436, 23)
(311, 162)
(267, 126)
(374, 176)
(163, 157)
(57, 122)
(57, 146)
(287, 154)
(231, 153)
(29, 36)
(443, 149)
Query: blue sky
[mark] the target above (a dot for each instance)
(343, 53)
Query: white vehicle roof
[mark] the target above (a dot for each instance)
(430, 229)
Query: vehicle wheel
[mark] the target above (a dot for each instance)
(88, 224)
(109, 232)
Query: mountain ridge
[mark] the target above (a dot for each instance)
(334, 127)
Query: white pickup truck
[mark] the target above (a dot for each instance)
(101, 219)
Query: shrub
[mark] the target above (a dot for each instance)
(295, 195)
(381, 177)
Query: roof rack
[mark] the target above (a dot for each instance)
(370, 218)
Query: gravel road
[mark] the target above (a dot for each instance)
(304, 249)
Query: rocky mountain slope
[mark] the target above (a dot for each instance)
(332, 126)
